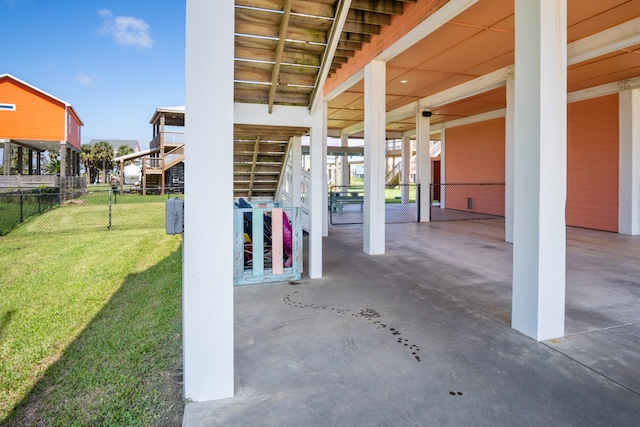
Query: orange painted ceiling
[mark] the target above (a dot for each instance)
(479, 41)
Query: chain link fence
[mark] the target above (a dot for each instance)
(451, 202)
(346, 204)
(54, 211)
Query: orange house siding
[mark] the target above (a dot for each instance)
(36, 116)
(474, 154)
(592, 163)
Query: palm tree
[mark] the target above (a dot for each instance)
(103, 152)
(53, 167)
(123, 150)
(87, 158)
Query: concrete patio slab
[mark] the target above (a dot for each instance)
(421, 336)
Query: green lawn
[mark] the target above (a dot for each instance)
(91, 212)
(90, 322)
(391, 195)
(10, 209)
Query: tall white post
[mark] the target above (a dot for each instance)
(406, 168)
(325, 179)
(508, 159)
(374, 157)
(344, 162)
(540, 158)
(316, 199)
(296, 171)
(629, 163)
(207, 278)
(443, 166)
(423, 163)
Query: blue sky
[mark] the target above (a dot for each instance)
(114, 61)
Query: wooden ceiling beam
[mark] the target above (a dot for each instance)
(264, 76)
(266, 30)
(253, 165)
(284, 25)
(345, 53)
(391, 7)
(300, 6)
(346, 45)
(366, 17)
(342, 11)
(360, 28)
(313, 9)
(270, 56)
(355, 37)
(262, 4)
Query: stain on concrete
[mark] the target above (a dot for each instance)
(368, 314)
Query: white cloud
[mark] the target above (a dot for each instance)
(126, 30)
(84, 79)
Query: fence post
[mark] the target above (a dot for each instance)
(418, 200)
(21, 211)
(39, 195)
(109, 226)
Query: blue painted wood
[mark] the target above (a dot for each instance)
(238, 242)
(257, 273)
(257, 245)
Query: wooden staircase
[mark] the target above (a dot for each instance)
(155, 167)
(259, 156)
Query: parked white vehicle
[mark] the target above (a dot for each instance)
(132, 175)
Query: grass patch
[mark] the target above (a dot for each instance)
(391, 195)
(90, 327)
(90, 211)
(14, 208)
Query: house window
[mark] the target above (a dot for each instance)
(7, 107)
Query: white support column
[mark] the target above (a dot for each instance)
(325, 179)
(443, 166)
(423, 163)
(344, 162)
(540, 157)
(207, 278)
(508, 159)
(374, 157)
(316, 198)
(406, 168)
(629, 163)
(296, 171)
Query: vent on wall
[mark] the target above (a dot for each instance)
(470, 203)
(7, 107)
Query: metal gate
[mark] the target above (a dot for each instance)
(346, 204)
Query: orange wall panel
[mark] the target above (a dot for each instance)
(474, 154)
(36, 117)
(592, 163)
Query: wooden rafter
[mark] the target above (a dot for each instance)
(256, 147)
(284, 25)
